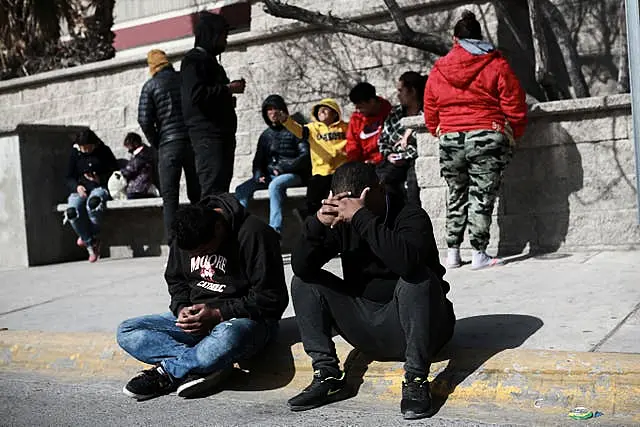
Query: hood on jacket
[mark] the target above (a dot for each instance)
(273, 101)
(231, 208)
(327, 102)
(461, 66)
(208, 29)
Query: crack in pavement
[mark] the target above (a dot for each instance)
(613, 331)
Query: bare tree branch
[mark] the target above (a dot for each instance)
(398, 17)
(567, 47)
(425, 41)
(540, 51)
(623, 63)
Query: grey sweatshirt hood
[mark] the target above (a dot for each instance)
(476, 47)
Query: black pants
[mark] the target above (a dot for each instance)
(214, 163)
(413, 326)
(173, 157)
(318, 188)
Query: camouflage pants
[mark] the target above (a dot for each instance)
(472, 163)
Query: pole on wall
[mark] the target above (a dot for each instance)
(633, 41)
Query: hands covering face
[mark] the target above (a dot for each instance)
(340, 208)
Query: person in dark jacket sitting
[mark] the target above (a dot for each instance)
(90, 166)
(281, 161)
(228, 292)
(160, 118)
(139, 169)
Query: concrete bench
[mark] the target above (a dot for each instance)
(156, 202)
(133, 228)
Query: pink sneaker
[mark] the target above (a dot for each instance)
(81, 243)
(94, 251)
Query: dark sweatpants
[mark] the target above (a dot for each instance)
(214, 163)
(412, 327)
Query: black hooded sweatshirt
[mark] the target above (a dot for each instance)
(375, 253)
(243, 278)
(208, 106)
(278, 149)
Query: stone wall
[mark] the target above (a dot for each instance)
(276, 56)
(281, 56)
(571, 184)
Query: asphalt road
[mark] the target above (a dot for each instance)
(27, 399)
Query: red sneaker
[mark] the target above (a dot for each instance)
(81, 243)
(94, 251)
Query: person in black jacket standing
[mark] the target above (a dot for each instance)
(160, 118)
(90, 165)
(228, 292)
(208, 105)
(281, 161)
(391, 304)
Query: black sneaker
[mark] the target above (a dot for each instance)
(323, 389)
(194, 385)
(149, 383)
(416, 399)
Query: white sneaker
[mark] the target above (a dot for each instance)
(453, 258)
(481, 260)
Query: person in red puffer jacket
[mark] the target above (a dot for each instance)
(474, 103)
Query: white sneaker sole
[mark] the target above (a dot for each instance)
(137, 396)
(201, 385)
(494, 263)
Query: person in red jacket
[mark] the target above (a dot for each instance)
(474, 103)
(365, 124)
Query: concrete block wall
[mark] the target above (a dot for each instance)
(304, 65)
(571, 183)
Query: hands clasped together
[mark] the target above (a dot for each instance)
(340, 208)
(198, 319)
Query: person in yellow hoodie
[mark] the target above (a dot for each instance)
(327, 136)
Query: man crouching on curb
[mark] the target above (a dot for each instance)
(391, 304)
(228, 291)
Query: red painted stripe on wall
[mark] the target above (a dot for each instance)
(238, 15)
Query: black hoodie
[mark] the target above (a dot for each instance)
(208, 106)
(375, 252)
(244, 278)
(278, 149)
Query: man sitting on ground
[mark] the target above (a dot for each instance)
(391, 304)
(228, 292)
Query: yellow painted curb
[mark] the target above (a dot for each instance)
(548, 381)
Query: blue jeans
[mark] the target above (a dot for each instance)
(84, 218)
(156, 339)
(277, 186)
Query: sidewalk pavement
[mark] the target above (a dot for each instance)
(541, 333)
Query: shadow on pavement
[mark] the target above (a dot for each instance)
(272, 368)
(475, 340)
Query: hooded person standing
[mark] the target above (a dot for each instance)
(474, 103)
(281, 161)
(208, 105)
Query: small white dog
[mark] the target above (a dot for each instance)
(117, 186)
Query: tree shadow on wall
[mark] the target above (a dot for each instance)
(321, 64)
(534, 203)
